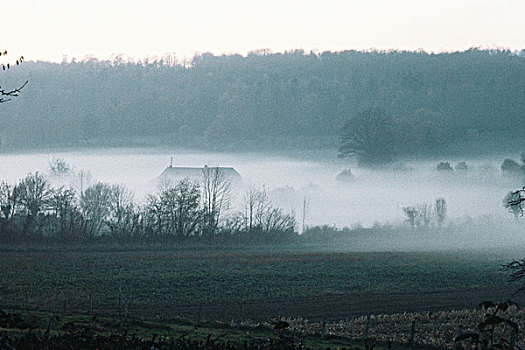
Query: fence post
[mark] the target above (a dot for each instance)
(199, 314)
(367, 326)
(460, 333)
(119, 300)
(239, 317)
(126, 306)
(323, 330)
(57, 302)
(90, 303)
(26, 301)
(412, 332)
(163, 301)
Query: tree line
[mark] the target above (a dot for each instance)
(186, 210)
(440, 103)
(375, 138)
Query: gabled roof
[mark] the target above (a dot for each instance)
(196, 172)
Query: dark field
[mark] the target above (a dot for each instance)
(258, 283)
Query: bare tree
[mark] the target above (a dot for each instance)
(440, 210)
(34, 193)
(123, 218)
(82, 180)
(7, 94)
(516, 271)
(154, 218)
(412, 215)
(67, 217)
(260, 215)
(513, 201)
(425, 214)
(95, 206)
(175, 210)
(256, 202)
(216, 198)
(59, 167)
(9, 200)
(306, 208)
(276, 220)
(183, 207)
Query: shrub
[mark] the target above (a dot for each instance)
(511, 167)
(444, 166)
(345, 176)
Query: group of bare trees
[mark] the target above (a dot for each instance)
(199, 209)
(175, 211)
(259, 214)
(178, 211)
(424, 214)
(32, 206)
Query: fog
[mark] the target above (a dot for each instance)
(374, 196)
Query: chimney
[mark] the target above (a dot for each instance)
(171, 162)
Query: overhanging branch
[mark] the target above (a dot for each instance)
(6, 95)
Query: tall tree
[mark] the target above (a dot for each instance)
(216, 197)
(95, 205)
(123, 218)
(175, 211)
(369, 136)
(261, 216)
(35, 193)
(440, 210)
(67, 217)
(9, 200)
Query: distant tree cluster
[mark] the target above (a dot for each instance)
(509, 167)
(512, 168)
(181, 211)
(345, 176)
(446, 167)
(433, 104)
(422, 215)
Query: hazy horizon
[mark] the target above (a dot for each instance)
(55, 29)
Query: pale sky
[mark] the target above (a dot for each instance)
(50, 29)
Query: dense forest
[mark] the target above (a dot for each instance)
(449, 103)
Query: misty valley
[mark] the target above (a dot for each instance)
(329, 241)
(369, 196)
(351, 200)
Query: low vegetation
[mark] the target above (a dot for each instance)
(38, 330)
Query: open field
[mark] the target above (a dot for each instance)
(256, 283)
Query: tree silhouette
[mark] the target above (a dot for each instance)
(368, 136)
(7, 94)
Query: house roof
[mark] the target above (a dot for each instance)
(196, 172)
